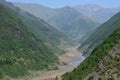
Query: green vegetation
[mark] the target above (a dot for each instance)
(42, 30)
(20, 50)
(100, 34)
(109, 67)
(91, 78)
(47, 34)
(91, 63)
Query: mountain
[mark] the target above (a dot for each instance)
(72, 23)
(100, 34)
(97, 12)
(67, 20)
(21, 52)
(37, 10)
(47, 33)
(104, 62)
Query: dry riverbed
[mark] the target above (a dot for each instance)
(68, 61)
(73, 58)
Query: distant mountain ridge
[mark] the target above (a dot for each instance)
(97, 12)
(37, 9)
(66, 19)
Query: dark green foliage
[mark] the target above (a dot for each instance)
(110, 79)
(99, 78)
(56, 78)
(90, 64)
(100, 34)
(20, 50)
(1, 75)
(91, 78)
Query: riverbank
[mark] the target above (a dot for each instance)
(71, 60)
(68, 62)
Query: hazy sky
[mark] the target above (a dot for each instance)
(61, 3)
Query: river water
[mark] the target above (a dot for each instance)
(79, 59)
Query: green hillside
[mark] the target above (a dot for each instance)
(67, 20)
(20, 51)
(100, 34)
(42, 30)
(47, 33)
(105, 53)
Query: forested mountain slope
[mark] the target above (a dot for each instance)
(48, 34)
(108, 67)
(100, 34)
(20, 50)
(104, 61)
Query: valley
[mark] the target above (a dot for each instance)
(38, 42)
(68, 62)
(72, 59)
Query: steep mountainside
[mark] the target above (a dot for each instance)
(20, 51)
(104, 62)
(72, 23)
(109, 67)
(97, 12)
(100, 34)
(48, 34)
(37, 10)
(66, 19)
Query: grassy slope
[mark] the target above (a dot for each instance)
(98, 54)
(20, 50)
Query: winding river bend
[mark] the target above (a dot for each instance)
(73, 58)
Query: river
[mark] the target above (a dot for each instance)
(73, 58)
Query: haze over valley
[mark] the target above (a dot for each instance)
(72, 42)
